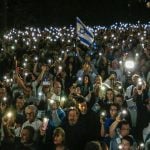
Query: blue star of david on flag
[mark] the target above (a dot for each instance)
(85, 36)
(82, 31)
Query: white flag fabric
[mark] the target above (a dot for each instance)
(85, 36)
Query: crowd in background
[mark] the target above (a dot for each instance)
(58, 94)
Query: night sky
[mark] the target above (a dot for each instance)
(20, 13)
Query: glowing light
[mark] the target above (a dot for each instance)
(13, 47)
(105, 37)
(124, 112)
(45, 119)
(26, 74)
(49, 61)
(142, 145)
(137, 54)
(51, 101)
(25, 59)
(120, 146)
(120, 62)
(100, 54)
(120, 87)
(5, 77)
(9, 114)
(40, 93)
(7, 80)
(35, 58)
(103, 113)
(60, 67)
(79, 79)
(60, 59)
(129, 64)
(5, 99)
(24, 64)
(103, 88)
(63, 98)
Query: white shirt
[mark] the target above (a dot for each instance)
(146, 131)
(35, 124)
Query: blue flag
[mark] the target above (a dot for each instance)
(85, 36)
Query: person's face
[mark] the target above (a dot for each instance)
(135, 80)
(86, 80)
(53, 106)
(88, 58)
(109, 95)
(25, 136)
(30, 115)
(46, 88)
(2, 92)
(125, 129)
(86, 67)
(57, 88)
(96, 90)
(58, 139)
(78, 90)
(72, 117)
(83, 108)
(102, 73)
(118, 100)
(98, 80)
(114, 65)
(72, 89)
(20, 103)
(125, 145)
(113, 111)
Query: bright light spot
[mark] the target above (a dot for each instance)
(137, 54)
(100, 54)
(60, 67)
(63, 98)
(9, 114)
(51, 101)
(103, 88)
(5, 98)
(129, 64)
(80, 79)
(124, 112)
(40, 93)
(12, 47)
(103, 114)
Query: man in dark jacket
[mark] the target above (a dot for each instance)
(74, 130)
(90, 120)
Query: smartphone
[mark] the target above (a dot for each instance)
(45, 123)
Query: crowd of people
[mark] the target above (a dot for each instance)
(58, 94)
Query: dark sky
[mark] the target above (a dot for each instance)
(60, 12)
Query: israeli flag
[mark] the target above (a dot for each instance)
(85, 36)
